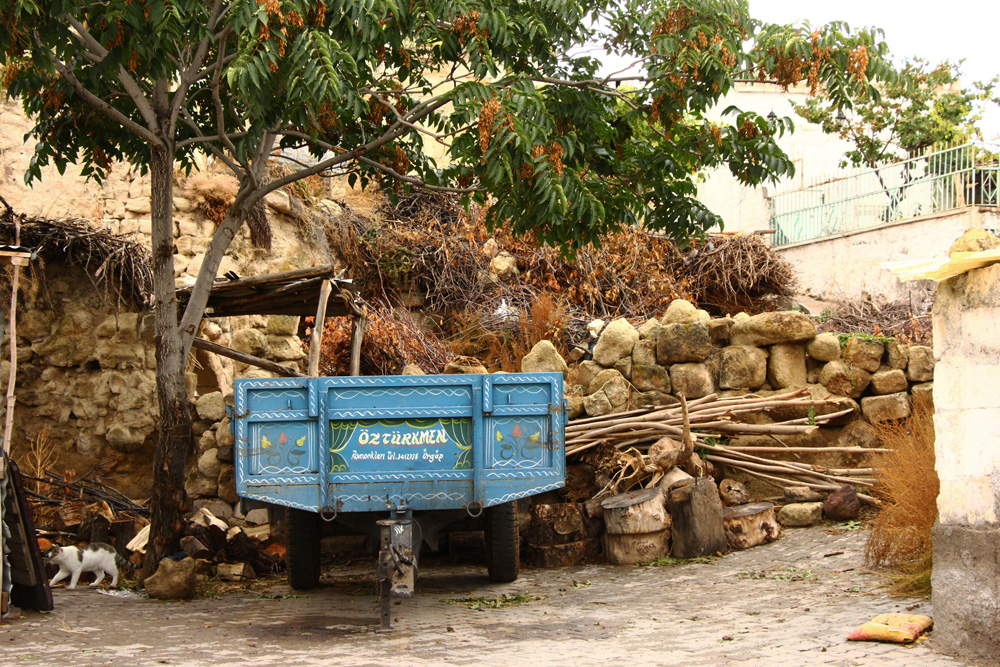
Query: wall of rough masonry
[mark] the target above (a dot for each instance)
(687, 351)
(966, 576)
(86, 372)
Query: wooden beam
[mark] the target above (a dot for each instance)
(229, 352)
(357, 335)
(317, 333)
(268, 278)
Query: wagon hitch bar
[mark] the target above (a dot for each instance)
(397, 564)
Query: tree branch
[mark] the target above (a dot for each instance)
(416, 181)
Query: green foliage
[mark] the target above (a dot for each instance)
(846, 338)
(923, 107)
(560, 154)
(668, 561)
(484, 603)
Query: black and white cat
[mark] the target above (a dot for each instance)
(98, 557)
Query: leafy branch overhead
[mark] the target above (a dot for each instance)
(478, 97)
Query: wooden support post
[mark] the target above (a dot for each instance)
(229, 352)
(316, 342)
(357, 335)
(9, 416)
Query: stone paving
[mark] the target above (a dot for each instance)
(787, 604)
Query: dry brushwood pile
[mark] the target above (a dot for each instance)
(427, 240)
(638, 448)
(879, 317)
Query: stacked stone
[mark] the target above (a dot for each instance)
(688, 352)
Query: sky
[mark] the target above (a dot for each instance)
(934, 31)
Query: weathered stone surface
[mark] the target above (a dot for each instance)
(575, 404)
(224, 434)
(644, 352)
(800, 514)
(504, 266)
(651, 378)
(285, 348)
(595, 327)
(974, 240)
(544, 358)
(680, 311)
(650, 330)
(412, 369)
(858, 434)
(617, 392)
(209, 464)
(211, 406)
(742, 367)
(597, 404)
(207, 441)
(464, 366)
(801, 494)
(719, 330)
(250, 341)
(89, 444)
(920, 367)
(923, 395)
(587, 371)
(199, 486)
(211, 330)
(227, 484)
(843, 504)
(878, 409)
(863, 353)
(219, 508)
(770, 328)
(889, 382)
(681, 343)
(786, 366)
(601, 379)
(616, 341)
(844, 379)
(173, 580)
(691, 380)
(624, 366)
(283, 325)
(652, 398)
(124, 438)
(896, 355)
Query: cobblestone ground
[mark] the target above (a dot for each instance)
(790, 603)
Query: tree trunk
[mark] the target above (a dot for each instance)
(696, 511)
(174, 441)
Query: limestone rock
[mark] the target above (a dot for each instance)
(597, 405)
(209, 464)
(801, 494)
(787, 365)
(896, 355)
(211, 406)
(602, 379)
(890, 407)
(224, 434)
(719, 330)
(691, 380)
(974, 240)
(173, 580)
(211, 330)
(285, 348)
(650, 330)
(616, 341)
(646, 398)
(544, 358)
(644, 352)
(504, 266)
(227, 484)
(249, 341)
(465, 366)
(624, 366)
(858, 434)
(923, 394)
(219, 508)
(575, 404)
(844, 379)
(824, 347)
(680, 311)
(843, 504)
(651, 378)
(920, 367)
(283, 325)
(681, 343)
(594, 328)
(865, 354)
(412, 369)
(800, 514)
(199, 486)
(126, 439)
(742, 367)
(770, 328)
(889, 382)
(207, 441)
(587, 371)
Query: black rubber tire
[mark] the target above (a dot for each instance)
(302, 548)
(503, 544)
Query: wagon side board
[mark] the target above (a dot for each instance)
(353, 444)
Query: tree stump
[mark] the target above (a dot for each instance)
(637, 527)
(564, 555)
(562, 534)
(750, 525)
(696, 511)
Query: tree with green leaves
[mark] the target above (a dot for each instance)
(924, 107)
(527, 127)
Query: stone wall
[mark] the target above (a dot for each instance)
(966, 576)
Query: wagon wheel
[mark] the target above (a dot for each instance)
(503, 559)
(302, 549)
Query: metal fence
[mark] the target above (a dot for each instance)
(938, 180)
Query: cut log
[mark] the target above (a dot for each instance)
(94, 528)
(733, 493)
(193, 547)
(637, 547)
(236, 571)
(750, 525)
(564, 555)
(637, 512)
(696, 512)
(561, 523)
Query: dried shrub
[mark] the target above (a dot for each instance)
(907, 484)
(392, 340)
(901, 320)
(211, 193)
(40, 456)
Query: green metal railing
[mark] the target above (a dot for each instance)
(939, 180)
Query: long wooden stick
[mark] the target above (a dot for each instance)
(316, 342)
(12, 377)
(230, 353)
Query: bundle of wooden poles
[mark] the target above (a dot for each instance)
(713, 419)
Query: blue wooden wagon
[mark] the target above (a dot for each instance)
(413, 448)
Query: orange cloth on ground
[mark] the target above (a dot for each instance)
(898, 628)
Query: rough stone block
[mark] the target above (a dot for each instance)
(544, 358)
(624, 366)
(681, 343)
(799, 515)
(920, 367)
(644, 352)
(896, 355)
(209, 464)
(691, 380)
(283, 325)
(616, 341)
(719, 330)
(285, 348)
(173, 580)
(786, 366)
(863, 353)
(651, 378)
(680, 311)
(844, 379)
(890, 407)
(770, 328)
(211, 406)
(597, 404)
(650, 330)
(889, 382)
(587, 371)
(742, 367)
(824, 347)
